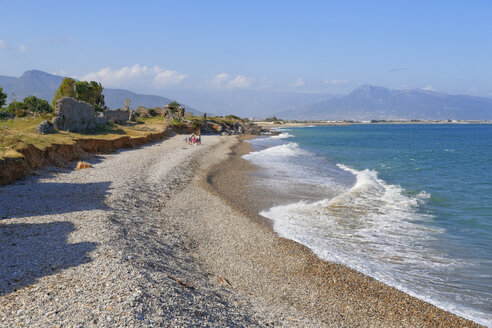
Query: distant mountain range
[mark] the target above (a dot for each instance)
(248, 103)
(364, 103)
(44, 85)
(377, 103)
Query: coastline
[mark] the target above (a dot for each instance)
(344, 291)
(271, 125)
(169, 235)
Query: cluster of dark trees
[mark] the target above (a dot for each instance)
(29, 105)
(89, 92)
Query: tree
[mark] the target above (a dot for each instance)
(66, 89)
(3, 98)
(17, 107)
(89, 92)
(36, 105)
(173, 107)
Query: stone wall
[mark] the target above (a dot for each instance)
(142, 111)
(75, 116)
(118, 116)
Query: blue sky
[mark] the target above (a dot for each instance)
(305, 46)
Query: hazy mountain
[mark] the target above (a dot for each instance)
(115, 98)
(244, 103)
(364, 103)
(44, 85)
(247, 103)
(370, 102)
(31, 83)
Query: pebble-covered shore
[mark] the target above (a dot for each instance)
(142, 240)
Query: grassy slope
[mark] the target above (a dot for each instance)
(17, 133)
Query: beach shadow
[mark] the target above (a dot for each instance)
(31, 251)
(34, 198)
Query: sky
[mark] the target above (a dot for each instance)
(303, 46)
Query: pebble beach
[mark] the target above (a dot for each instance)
(168, 235)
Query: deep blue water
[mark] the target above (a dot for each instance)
(410, 205)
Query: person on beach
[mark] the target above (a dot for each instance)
(199, 140)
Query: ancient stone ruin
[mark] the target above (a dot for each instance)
(142, 112)
(127, 104)
(76, 116)
(119, 116)
(161, 111)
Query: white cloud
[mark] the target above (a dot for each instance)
(240, 81)
(336, 82)
(142, 75)
(298, 83)
(224, 80)
(63, 73)
(4, 45)
(168, 77)
(220, 79)
(429, 88)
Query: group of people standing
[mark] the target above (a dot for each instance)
(194, 140)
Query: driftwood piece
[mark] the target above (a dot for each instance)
(224, 281)
(182, 283)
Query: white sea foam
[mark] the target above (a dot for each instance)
(286, 150)
(282, 136)
(377, 229)
(373, 213)
(366, 223)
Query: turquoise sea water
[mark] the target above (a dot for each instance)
(410, 205)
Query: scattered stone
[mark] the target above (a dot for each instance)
(45, 127)
(83, 165)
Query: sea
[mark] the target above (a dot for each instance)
(407, 204)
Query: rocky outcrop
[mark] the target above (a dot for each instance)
(253, 129)
(211, 127)
(45, 127)
(229, 128)
(156, 111)
(75, 116)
